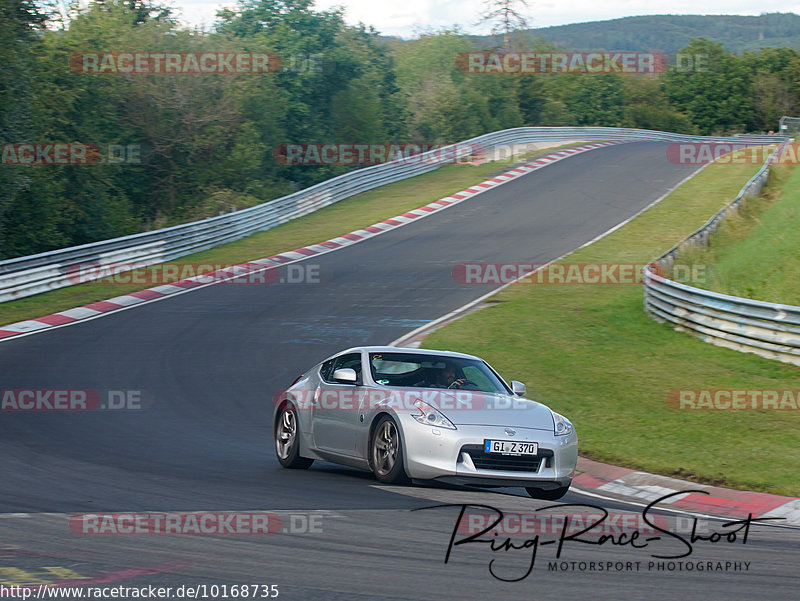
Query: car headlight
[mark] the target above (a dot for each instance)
(561, 425)
(431, 416)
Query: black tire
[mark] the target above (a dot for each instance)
(386, 452)
(547, 495)
(287, 439)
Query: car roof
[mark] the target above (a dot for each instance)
(399, 349)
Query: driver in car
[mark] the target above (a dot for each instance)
(443, 378)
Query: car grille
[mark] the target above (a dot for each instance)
(509, 463)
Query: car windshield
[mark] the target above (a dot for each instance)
(434, 371)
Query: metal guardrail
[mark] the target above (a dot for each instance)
(771, 330)
(25, 276)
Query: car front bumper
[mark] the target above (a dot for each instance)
(439, 454)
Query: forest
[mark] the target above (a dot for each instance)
(671, 33)
(166, 148)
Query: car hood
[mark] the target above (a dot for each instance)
(464, 407)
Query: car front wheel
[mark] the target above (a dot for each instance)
(386, 453)
(287, 439)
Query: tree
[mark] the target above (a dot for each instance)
(446, 105)
(775, 85)
(646, 106)
(22, 24)
(714, 92)
(505, 16)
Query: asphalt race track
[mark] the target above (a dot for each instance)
(205, 366)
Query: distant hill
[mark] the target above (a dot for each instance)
(671, 33)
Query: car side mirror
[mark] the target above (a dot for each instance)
(518, 388)
(345, 375)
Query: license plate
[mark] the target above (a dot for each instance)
(510, 447)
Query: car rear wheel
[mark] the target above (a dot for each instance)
(548, 495)
(386, 453)
(287, 439)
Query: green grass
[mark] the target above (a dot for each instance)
(754, 253)
(340, 218)
(592, 353)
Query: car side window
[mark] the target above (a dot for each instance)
(351, 360)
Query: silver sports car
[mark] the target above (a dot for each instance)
(424, 415)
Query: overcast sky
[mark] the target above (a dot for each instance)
(405, 18)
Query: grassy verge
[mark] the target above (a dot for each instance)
(592, 353)
(754, 253)
(335, 220)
